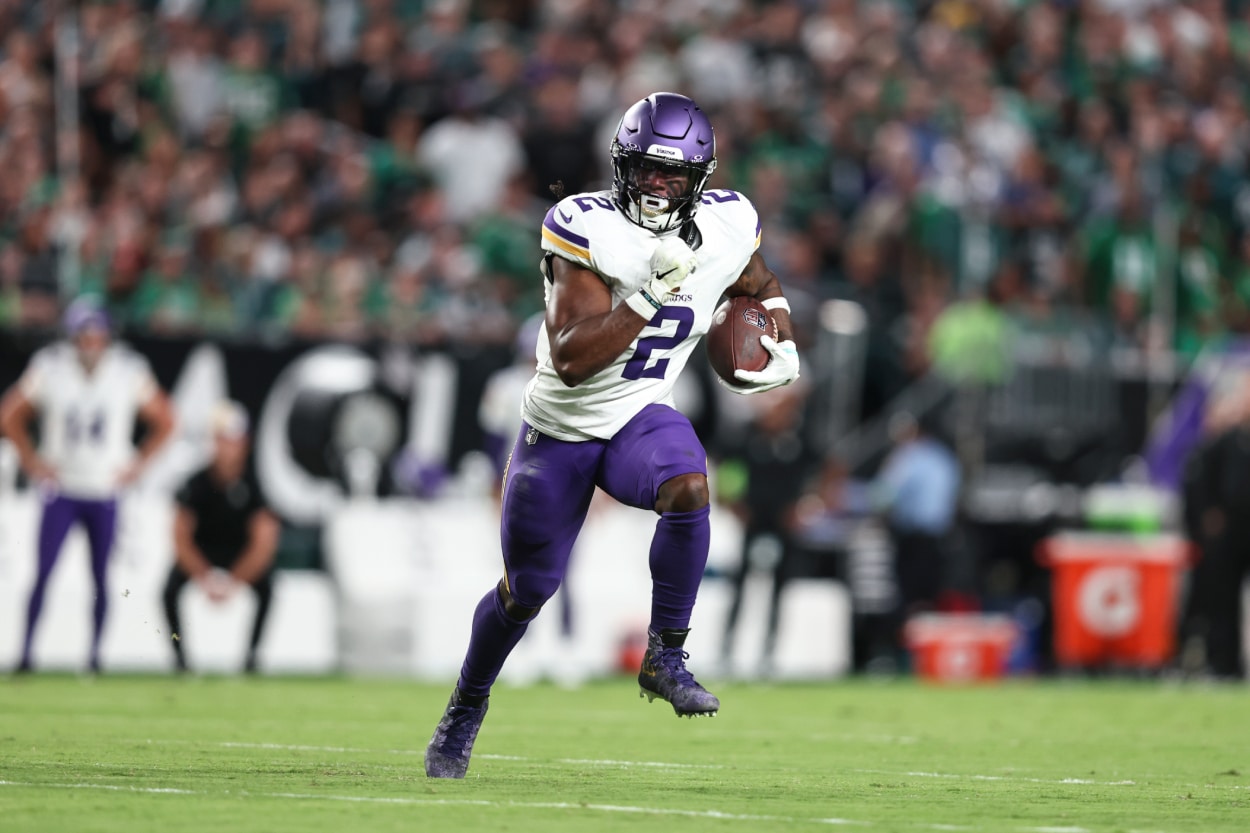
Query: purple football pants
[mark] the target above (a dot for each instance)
(60, 513)
(546, 494)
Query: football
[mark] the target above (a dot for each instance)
(733, 340)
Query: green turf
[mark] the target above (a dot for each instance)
(111, 754)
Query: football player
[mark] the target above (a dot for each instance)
(87, 390)
(633, 275)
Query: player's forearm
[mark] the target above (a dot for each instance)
(785, 330)
(581, 350)
(186, 554)
(262, 546)
(779, 309)
(586, 331)
(758, 280)
(160, 429)
(14, 416)
(252, 564)
(190, 560)
(148, 448)
(27, 456)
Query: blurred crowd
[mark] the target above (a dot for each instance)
(361, 169)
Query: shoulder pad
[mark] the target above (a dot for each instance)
(734, 209)
(44, 356)
(565, 232)
(54, 357)
(128, 357)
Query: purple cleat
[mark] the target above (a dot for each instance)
(664, 675)
(447, 756)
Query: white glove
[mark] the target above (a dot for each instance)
(671, 262)
(782, 369)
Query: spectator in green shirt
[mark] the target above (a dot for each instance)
(168, 297)
(971, 340)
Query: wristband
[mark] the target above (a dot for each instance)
(643, 304)
(776, 303)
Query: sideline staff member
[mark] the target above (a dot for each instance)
(225, 536)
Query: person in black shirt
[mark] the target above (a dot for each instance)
(1203, 522)
(1217, 512)
(777, 463)
(225, 535)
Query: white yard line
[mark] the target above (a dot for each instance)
(443, 802)
(973, 777)
(556, 805)
(121, 788)
(900, 740)
(532, 805)
(607, 762)
(300, 747)
(290, 747)
(656, 764)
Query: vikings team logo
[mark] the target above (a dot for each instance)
(755, 318)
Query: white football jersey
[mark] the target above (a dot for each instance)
(589, 230)
(87, 420)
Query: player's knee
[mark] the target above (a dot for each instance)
(514, 610)
(684, 493)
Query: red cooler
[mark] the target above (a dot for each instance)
(960, 647)
(1115, 597)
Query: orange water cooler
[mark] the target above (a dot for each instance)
(1115, 597)
(960, 647)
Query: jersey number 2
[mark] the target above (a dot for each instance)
(638, 366)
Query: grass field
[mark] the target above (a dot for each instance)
(150, 753)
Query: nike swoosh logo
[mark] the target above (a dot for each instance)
(662, 275)
(568, 218)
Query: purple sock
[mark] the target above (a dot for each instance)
(678, 555)
(495, 634)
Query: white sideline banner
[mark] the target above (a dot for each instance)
(397, 598)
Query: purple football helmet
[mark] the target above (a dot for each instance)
(85, 313)
(662, 155)
(87, 326)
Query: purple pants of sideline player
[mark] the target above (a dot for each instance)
(546, 496)
(60, 513)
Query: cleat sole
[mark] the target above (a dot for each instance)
(653, 696)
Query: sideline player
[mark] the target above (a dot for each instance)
(87, 390)
(633, 276)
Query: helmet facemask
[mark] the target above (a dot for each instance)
(660, 194)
